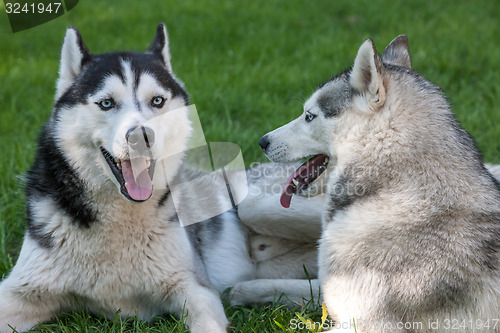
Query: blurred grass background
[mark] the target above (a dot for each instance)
(248, 67)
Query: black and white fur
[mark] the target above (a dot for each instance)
(411, 224)
(87, 247)
(93, 245)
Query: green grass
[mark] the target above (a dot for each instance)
(248, 67)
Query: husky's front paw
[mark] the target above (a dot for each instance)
(14, 324)
(209, 326)
(242, 293)
(253, 292)
(235, 295)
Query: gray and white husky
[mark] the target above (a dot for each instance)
(411, 224)
(102, 237)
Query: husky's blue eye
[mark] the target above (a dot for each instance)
(106, 104)
(310, 117)
(157, 101)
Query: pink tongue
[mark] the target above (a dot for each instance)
(137, 182)
(305, 174)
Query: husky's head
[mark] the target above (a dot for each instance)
(117, 113)
(339, 109)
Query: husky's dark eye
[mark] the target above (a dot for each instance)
(157, 101)
(310, 117)
(106, 104)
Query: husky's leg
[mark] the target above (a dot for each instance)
(204, 310)
(22, 308)
(263, 214)
(290, 292)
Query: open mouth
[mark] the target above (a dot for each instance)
(303, 176)
(134, 176)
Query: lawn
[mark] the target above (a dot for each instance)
(248, 67)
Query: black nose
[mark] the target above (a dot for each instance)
(140, 136)
(264, 142)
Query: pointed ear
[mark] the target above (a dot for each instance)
(74, 55)
(159, 45)
(397, 52)
(367, 76)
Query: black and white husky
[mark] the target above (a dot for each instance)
(86, 246)
(102, 237)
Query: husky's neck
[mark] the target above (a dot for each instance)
(51, 176)
(416, 147)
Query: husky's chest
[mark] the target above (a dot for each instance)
(128, 252)
(127, 242)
